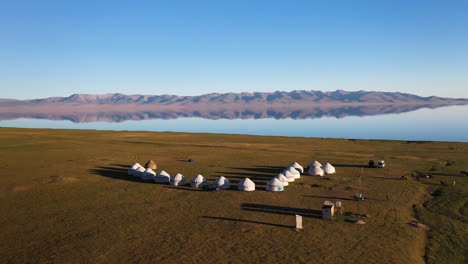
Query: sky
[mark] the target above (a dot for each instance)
(58, 48)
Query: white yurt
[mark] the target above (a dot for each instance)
(289, 175)
(132, 169)
(222, 183)
(178, 180)
(283, 179)
(293, 171)
(162, 177)
(297, 166)
(274, 185)
(246, 185)
(148, 174)
(316, 171)
(198, 181)
(315, 164)
(139, 172)
(328, 168)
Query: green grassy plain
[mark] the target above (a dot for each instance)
(66, 198)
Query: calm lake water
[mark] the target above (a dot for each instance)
(441, 124)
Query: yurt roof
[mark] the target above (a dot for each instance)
(140, 169)
(150, 164)
(246, 182)
(178, 177)
(317, 170)
(291, 170)
(198, 178)
(150, 171)
(221, 179)
(315, 163)
(327, 166)
(289, 174)
(163, 173)
(274, 182)
(281, 177)
(296, 165)
(136, 166)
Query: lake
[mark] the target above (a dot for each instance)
(448, 123)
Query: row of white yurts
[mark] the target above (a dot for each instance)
(138, 171)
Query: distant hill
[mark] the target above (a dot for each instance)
(274, 98)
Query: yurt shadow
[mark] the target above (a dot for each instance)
(241, 175)
(443, 174)
(115, 173)
(271, 209)
(184, 188)
(245, 221)
(385, 178)
(329, 197)
(120, 165)
(351, 165)
(262, 169)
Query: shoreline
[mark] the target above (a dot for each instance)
(408, 141)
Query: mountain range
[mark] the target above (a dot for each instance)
(278, 97)
(118, 107)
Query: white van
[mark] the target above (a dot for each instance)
(381, 164)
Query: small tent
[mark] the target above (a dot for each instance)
(178, 180)
(289, 175)
(162, 177)
(222, 183)
(328, 168)
(246, 185)
(139, 172)
(315, 164)
(133, 168)
(297, 166)
(274, 185)
(151, 165)
(148, 174)
(293, 171)
(198, 181)
(315, 171)
(283, 179)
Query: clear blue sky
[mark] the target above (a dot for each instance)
(57, 48)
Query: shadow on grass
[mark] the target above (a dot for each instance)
(443, 174)
(351, 165)
(245, 221)
(329, 197)
(117, 174)
(261, 169)
(240, 175)
(121, 165)
(258, 174)
(262, 208)
(184, 188)
(384, 178)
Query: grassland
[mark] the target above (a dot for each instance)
(66, 198)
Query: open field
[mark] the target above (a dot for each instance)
(66, 198)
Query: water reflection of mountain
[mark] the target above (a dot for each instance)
(98, 115)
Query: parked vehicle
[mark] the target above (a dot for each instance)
(381, 164)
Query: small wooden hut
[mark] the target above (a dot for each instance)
(328, 210)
